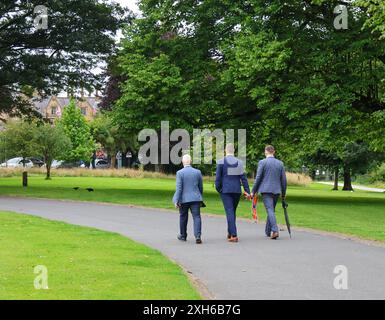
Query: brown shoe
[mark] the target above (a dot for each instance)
(228, 236)
(233, 239)
(274, 235)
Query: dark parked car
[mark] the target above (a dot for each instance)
(101, 164)
(36, 162)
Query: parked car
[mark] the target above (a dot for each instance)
(56, 164)
(69, 164)
(17, 163)
(37, 162)
(101, 164)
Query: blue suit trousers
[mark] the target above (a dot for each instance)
(270, 201)
(230, 203)
(195, 208)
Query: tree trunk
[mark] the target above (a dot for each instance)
(48, 176)
(347, 179)
(25, 179)
(336, 174)
(25, 175)
(113, 161)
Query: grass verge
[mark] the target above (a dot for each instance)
(82, 263)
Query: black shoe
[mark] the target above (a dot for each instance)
(228, 236)
(181, 238)
(198, 241)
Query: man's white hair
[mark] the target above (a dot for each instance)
(186, 159)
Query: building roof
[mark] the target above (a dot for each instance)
(41, 104)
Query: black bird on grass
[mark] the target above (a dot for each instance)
(76, 188)
(90, 189)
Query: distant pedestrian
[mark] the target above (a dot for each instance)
(93, 159)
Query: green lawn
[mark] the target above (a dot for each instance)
(357, 213)
(82, 263)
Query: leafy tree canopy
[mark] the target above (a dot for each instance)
(77, 129)
(278, 68)
(79, 36)
(51, 143)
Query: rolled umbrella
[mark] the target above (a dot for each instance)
(284, 206)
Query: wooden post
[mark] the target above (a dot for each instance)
(25, 179)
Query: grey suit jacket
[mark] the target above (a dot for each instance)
(189, 186)
(271, 177)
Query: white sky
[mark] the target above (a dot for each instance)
(131, 4)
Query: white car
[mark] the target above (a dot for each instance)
(56, 163)
(17, 163)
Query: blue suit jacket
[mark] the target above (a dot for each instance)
(230, 175)
(271, 177)
(189, 186)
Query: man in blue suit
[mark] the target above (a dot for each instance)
(229, 177)
(188, 196)
(271, 183)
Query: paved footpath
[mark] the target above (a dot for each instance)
(254, 268)
(357, 187)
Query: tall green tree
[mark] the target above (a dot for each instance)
(111, 137)
(77, 129)
(78, 36)
(51, 143)
(319, 84)
(278, 68)
(171, 69)
(18, 140)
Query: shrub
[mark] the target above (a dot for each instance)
(297, 179)
(378, 174)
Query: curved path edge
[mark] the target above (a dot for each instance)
(340, 235)
(254, 268)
